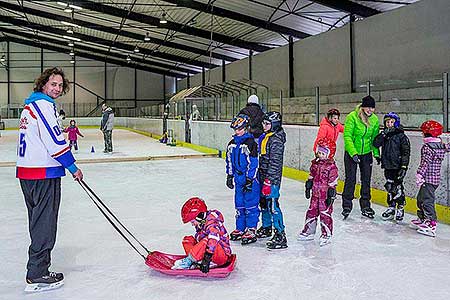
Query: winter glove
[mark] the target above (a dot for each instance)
(248, 185)
(308, 187)
(356, 158)
(331, 195)
(230, 184)
(401, 174)
(266, 189)
(204, 264)
(378, 159)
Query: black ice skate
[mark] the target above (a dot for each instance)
(368, 212)
(47, 282)
(236, 235)
(388, 214)
(278, 241)
(400, 213)
(249, 236)
(264, 232)
(346, 213)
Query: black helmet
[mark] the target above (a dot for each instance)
(275, 119)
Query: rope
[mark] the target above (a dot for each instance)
(97, 201)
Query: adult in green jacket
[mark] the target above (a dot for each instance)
(361, 128)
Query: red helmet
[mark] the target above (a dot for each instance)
(192, 208)
(432, 128)
(326, 145)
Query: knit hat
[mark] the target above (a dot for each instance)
(253, 99)
(368, 101)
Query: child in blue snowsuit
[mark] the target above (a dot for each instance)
(242, 169)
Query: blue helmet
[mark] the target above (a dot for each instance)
(240, 121)
(392, 115)
(274, 118)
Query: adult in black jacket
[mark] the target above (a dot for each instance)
(395, 155)
(255, 114)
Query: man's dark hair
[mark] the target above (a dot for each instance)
(42, 80)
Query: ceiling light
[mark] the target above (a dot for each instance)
(71, 38)
(3, 58)
(147, 37)
(72, 53)
(71, 44)
(70, 30)
(136, 49)
(75, 7)
(70, 24)
(68, 9)
(128, 58)
(72, 61)
(163, 19)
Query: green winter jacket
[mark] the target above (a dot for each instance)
(358, 138)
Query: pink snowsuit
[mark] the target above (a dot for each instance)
(324, 174)
(73, 132)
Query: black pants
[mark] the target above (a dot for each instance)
(42, 198)
(365, 168)
(425, 202)
(74, 144)
(392, 175)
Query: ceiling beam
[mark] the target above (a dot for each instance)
(221, 12)
(98, 51)
(350, 7)
(88, 38)
(142, 18)
(94, 57)
(112, 30)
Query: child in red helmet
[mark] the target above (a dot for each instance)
(210, 243)
(329, 128)
(323, 178)
(428, 177)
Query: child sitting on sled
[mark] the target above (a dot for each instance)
(210, 243)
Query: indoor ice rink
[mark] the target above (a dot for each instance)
(184, 70)
(366, 259)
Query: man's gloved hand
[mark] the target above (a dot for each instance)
(401, 174)
(331, 195)
(248, 185)
(230, 184)
(308, 187)
(356, 158)
(378, 159)
(267, 187)
(204, 264)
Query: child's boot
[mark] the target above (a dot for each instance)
(278, 241)
(184, 263)
(264, 232)
(236, 235)
(400, 213)
(249, 236)
(388, 214)
(428, 227)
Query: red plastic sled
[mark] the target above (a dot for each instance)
(162, 262)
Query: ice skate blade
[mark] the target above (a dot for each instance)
(305, 238)
(322, 244)
(368, 216)
(390, 218)
(248, 242)
(279, 248)
(426, 232)
(40, 287)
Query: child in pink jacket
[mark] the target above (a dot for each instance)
(73, 132)
(321, 189)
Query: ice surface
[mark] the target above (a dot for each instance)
(367, 259)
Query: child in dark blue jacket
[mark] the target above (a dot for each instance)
(242, 168)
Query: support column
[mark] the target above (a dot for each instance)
(203, 76)
(74, 86)
(352, 54)
(317, 105)
(135, 87)
(291, 68)
(42, 59)
(106, 82)
(250, 62)
(165, 110)
(224, 74)
(8, 78)
(188, 80)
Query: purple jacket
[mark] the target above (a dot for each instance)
(432, 155)
(324, 174)
(73, 132)
(214, 231)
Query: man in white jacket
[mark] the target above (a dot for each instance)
(42, 157)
